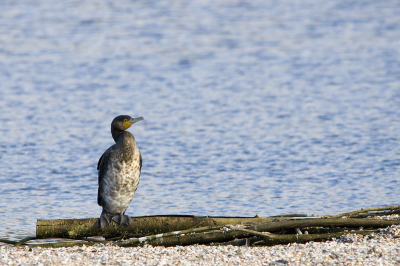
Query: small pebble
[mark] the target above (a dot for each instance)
(382, 248)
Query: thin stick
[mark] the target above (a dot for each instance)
(348, 214)
(274, 239)
(8, 241)
(23, 241)
(350, 222)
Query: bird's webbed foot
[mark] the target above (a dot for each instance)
(121, 219)
(105, 219)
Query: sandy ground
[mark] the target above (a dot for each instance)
(375, 249)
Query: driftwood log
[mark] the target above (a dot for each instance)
(139, 226)
(188, 230)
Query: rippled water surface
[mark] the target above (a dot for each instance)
(251, 107)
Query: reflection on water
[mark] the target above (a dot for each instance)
(257, 107)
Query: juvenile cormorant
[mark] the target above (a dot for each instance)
(119, 172)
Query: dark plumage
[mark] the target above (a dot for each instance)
(119, 172)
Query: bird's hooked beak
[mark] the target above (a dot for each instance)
(129, 123)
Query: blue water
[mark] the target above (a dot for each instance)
(251, 107)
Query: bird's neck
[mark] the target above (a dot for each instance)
(124, 138)
(116, 134)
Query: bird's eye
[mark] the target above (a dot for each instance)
(125, 120)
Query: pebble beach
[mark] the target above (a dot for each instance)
(375, 249)
(264, 108)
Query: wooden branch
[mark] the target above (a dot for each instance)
(252, 232)
(186, 239)
(191, 237)
(6, 241)
(239, 242)
(170, 230)
(274, 239)
(23, 241)
(139, 226)
(381, 211)
(302, 223)
(202, 235)
(134, 242)
(65, 244)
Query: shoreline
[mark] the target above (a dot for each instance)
(382, 248)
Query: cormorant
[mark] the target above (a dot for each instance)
(119, 172)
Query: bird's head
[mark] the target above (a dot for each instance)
(122, 123)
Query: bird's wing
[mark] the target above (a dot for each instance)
(140, 160)
(102, 167)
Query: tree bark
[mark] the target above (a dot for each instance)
(139, 226)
